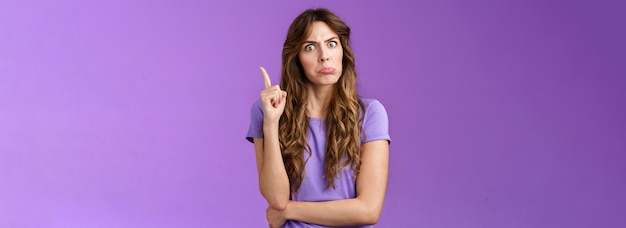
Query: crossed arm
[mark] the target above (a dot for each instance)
(365, 209)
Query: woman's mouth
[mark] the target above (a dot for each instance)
(327, 70)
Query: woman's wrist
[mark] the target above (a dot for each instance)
(289, 210)
(270, 122)
(270, 127)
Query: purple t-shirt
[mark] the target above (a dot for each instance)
(313, 188)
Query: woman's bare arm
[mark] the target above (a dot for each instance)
(273, 180)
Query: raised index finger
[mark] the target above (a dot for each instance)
(266, 78)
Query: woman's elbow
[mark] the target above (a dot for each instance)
(276, 201)
(371, 218)
(371, 215)
(278, 204)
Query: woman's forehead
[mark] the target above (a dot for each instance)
(320, 31)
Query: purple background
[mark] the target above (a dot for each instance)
(133, 113)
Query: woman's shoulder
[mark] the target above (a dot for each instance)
(257, 108)
(371, 103)
(257, 103)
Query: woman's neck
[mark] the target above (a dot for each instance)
(319, 98)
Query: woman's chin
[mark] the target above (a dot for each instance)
(325, 80)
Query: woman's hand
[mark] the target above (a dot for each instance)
(275, 218)
(273, 100)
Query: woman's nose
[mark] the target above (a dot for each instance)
(324, 56)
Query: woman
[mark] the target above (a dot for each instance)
(322, 152)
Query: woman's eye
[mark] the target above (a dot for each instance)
(332, 44)
(309, 47)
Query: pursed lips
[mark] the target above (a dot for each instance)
(327, 70)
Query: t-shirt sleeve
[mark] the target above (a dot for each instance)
(375, 123)
(255, 130)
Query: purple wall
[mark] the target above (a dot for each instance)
(133, 113)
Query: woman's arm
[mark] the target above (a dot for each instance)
(273, 180)
(365, 209)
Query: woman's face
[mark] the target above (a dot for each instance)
(321, 55)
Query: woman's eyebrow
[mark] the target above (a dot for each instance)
(313, 42)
